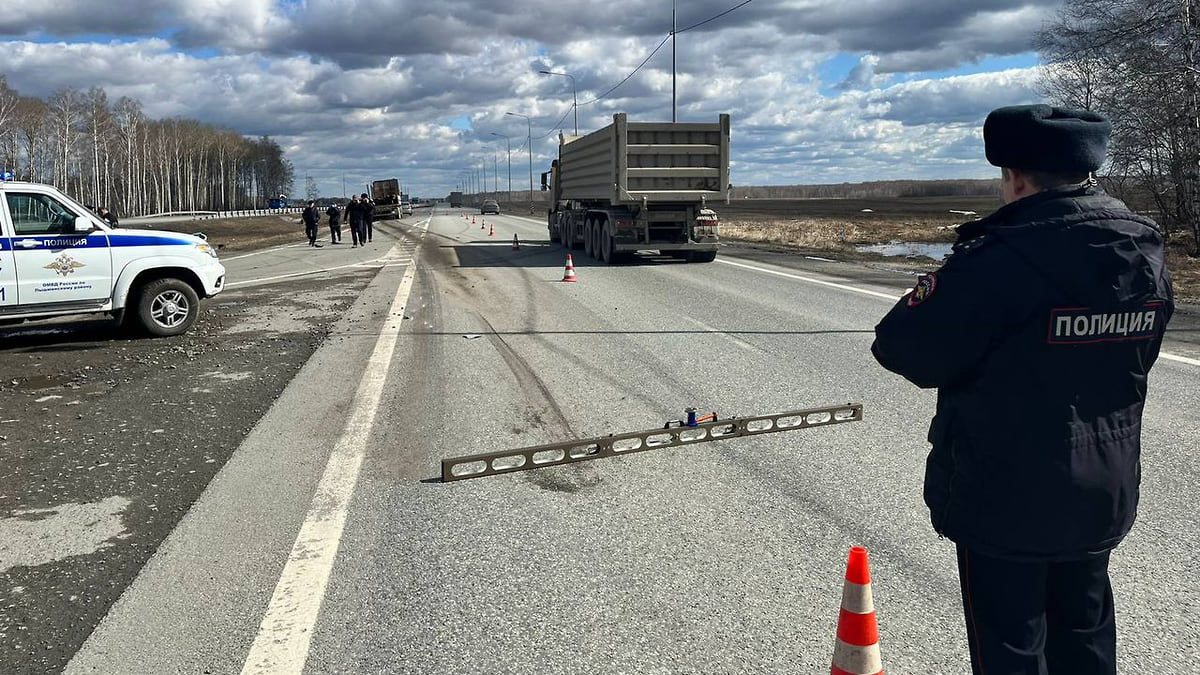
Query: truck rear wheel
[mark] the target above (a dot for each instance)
(606, 247)
(167, 307)
(588, 246)
(702, 256)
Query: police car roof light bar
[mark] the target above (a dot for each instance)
(617, 445)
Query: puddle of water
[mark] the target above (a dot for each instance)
(39, 536)
(908, 249)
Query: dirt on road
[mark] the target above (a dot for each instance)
(108, 440)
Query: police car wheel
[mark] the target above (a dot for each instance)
(167, 307)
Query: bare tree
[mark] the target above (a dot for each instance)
(1134, 60)
(66, 112)
(8, 132)
(117, 157)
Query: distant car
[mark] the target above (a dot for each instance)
(406, 209)
(490, 206)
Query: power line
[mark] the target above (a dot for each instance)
(697, 25)
(635, 71)
(641, 65)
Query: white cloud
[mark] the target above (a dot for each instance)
(371, 87)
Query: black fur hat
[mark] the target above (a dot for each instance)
(1046, 138)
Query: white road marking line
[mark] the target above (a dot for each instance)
(893, 298)
(285, 634)
(380, 261)
(1180, 359)
(813, 257)
(737, 341)
(810, 280)
(265, 250)
(368, 263)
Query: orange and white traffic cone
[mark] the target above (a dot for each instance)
(569, 273)
(472, 220)
(492, 232)
(856, 649)
(516, 244)
(482, 223)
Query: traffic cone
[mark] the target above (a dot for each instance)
(569, 273)
(492, 232)
(856, 649)
(482, 223)
(472, 220)
(516, 244)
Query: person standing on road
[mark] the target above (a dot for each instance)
(335, 223)
(1038, 333)
(354, 220)
(311, 219)
(368, 209)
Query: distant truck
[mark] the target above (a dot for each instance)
(456, 200)
(634, 186)
(386, 195)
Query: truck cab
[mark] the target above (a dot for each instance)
(57, 258)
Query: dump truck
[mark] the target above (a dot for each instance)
(640, 186)
(386, 195)
(456, 200)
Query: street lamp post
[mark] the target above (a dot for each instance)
(574, 95)
(508, 151)
(529, 125)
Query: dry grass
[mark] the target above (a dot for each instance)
(235, 235)
(830, 234)
(841, 235)
(1185, 272)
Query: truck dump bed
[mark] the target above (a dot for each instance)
(631, 162)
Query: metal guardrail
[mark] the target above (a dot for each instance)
(557, 454)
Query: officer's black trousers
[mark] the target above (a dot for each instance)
(1038, 618)
(335, 232)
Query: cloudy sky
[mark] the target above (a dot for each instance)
(819, 91)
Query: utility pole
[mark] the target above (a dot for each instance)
(1191, 34)
(674, 39)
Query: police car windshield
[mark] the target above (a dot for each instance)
(80, 209)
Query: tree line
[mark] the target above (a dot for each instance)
(113, 155)
(884, 189)
(1136, 62)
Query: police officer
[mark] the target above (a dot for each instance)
(311, 218)
(335, 223)
(354, 220)
(368, 218)
(1038, 334)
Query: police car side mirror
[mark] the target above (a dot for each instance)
(83, 225)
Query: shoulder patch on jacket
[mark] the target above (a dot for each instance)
(925, 287)
(971, 244)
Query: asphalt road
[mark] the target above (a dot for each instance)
(324, 542)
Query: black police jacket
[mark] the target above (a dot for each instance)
(1038, 332)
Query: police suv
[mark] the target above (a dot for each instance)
(57, 258)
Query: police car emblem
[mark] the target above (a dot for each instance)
(924, 288)
(64, 265)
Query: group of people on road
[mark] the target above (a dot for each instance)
(359, 214)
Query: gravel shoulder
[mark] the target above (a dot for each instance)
(107, 442)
